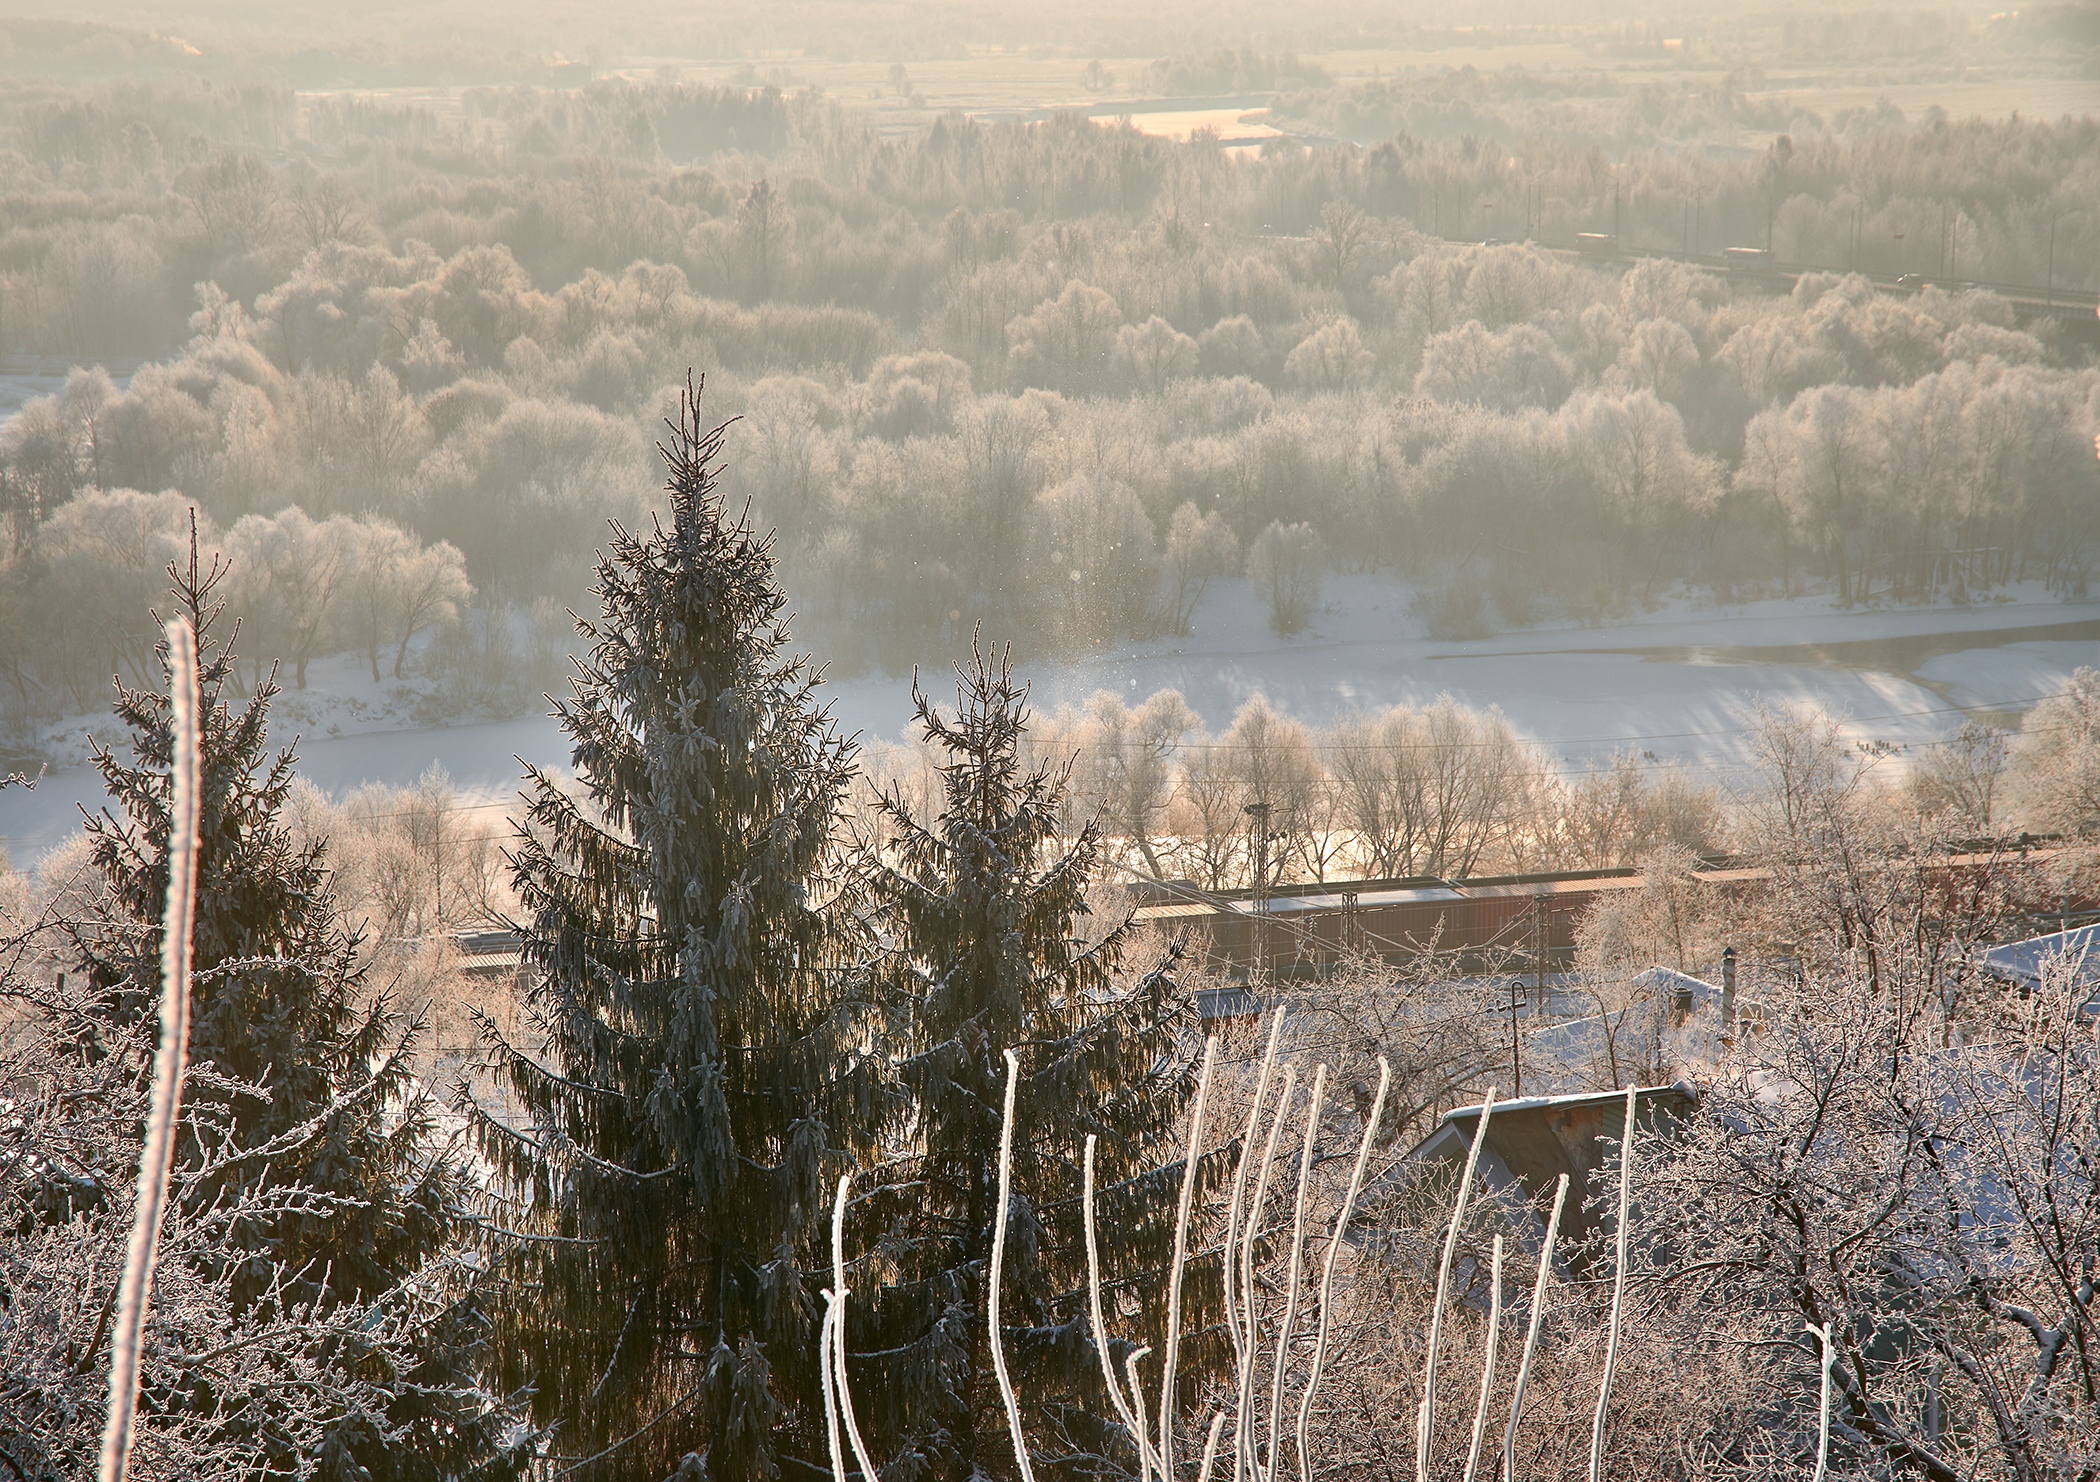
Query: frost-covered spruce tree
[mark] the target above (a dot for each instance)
(318, 1132)
(698, 1074)
(988, 909)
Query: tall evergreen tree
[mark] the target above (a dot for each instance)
(988, 908)
(700, 1065)
(312, 1076)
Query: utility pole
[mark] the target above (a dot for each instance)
(1615, 239)
(1728, 996)
(2051, 291)
(1258, 842)
(1539, 924)
(1516, 1043)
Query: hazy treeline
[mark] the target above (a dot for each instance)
(394, 44)
(1448, 791)
(1059, 376)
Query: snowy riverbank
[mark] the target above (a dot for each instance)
(1675, 684)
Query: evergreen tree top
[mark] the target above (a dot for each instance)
(243, 788)
(700, 1062)
(313, 1090)
(279, 989)
(996, 949)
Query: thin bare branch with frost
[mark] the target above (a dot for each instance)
(1239, 1187)
(1425, 1419)
(1246, 1421)
(1006, 1384)
(1829, 1356)
(1618, 1288)
(1297, 1264)
(1132, 1418)
(1531, 1332)
(834, 1359)
(169, 1061)
(1334, 1250)
(1487, 1363)
(1192, 1155)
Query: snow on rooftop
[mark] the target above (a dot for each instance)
(2075, 952)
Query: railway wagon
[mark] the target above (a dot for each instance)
(1304, 930)
(1525, 922)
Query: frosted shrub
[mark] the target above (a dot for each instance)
(1285, 563)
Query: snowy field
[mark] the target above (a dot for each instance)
(1676, 685)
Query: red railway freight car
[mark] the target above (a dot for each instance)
(1303, 930)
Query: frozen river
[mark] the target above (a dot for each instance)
(1677, 686)
(24, 378)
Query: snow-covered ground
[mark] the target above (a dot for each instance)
(1677, 685)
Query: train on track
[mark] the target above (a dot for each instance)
(1527, 922)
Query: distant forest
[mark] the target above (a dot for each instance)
(406, 362)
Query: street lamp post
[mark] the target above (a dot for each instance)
(1258, 814)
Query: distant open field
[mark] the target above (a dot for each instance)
(1005, 82)
(2030, 97)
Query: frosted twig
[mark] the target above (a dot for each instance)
(831, 1406)
(838, 1327)
(1181, 1252)
(1210, 1447)
(1487, 1362)
(1246, 1419)
(1006, 1384)
(169, 1062)
(1618, 1290)
(1239, 1188)
(1290, 1300)
(1334, 1249)
(1146, 1461)
(1122, 1407)
(1531, 1333)
(1425, 1417)
(1823, 1422)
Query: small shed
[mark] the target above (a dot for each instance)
(1532, 1141)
